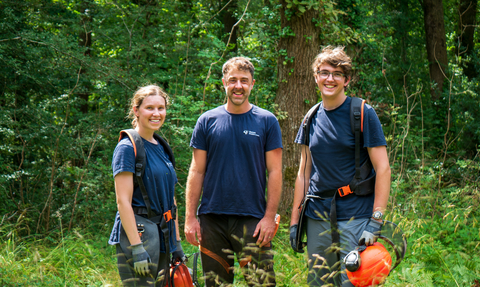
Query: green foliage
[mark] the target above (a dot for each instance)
(63, 100)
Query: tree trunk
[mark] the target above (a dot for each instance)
(466, 35)
(228, 19)
(85, 40)
(436, 44)
(297, 90)
(467, 23)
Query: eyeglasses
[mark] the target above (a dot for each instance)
(335, 75)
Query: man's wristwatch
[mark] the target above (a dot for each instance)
(377, 215)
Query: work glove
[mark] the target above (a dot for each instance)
(371, 232)
(140, 259)
(293, 239)
(178, 254)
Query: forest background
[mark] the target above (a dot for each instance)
(69, 67)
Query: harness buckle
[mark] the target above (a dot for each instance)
(168, 216)
(344, 190)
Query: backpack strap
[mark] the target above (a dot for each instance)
(138, 148)
(356, 123)
(166, 147)
(307, 121)
(140, 163)
(359, 184)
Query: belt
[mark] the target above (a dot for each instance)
(143, 211)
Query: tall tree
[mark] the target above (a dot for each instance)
(85, 41)
(436, 43)
(466, 25)
(296, 92)
(229, 20)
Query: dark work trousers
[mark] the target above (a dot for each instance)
(226, 235)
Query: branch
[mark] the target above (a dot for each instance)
(223, 54)
(55, 157)
(16, 38)
(81, 179)
(220, 11)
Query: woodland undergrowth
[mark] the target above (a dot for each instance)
(439, 220)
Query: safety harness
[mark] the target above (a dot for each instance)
(140, 164)
(361, 184)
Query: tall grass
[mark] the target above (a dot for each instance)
(441, 223)
(74, 260)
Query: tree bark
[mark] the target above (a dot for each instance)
(436, 44)
(85, 40)
(467, 23)
(229, 20)
(297, 90)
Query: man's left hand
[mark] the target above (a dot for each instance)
(265, 231)
(371, 233)
(178, 254)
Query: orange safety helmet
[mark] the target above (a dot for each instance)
(375, 263)
(180, 275)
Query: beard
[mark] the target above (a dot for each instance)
(238, 101)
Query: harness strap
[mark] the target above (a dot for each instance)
(245, 261)
(164, 227)
(216, 258)
(334, 225)
(144, 195)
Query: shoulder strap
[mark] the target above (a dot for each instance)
(307, 120)
(166, 147)
(138, 148)
(140, 163)
(356, 114)
(356, 122)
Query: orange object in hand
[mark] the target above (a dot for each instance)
(374, 268)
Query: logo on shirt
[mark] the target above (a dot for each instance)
(250, 133)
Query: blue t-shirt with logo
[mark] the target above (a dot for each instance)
(235, 177)
(332, 147)
(159, 179)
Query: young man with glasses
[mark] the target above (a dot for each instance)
(328, 163)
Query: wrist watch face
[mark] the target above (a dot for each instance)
(377, 215)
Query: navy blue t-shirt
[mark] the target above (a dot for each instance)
(159, 179)
(236, 144)
(332, 146)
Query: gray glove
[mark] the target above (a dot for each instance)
(178, 254)
(293, 239)
(371, 232)
(140, 259)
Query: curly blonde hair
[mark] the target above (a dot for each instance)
(334, 56)
(140, 95)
